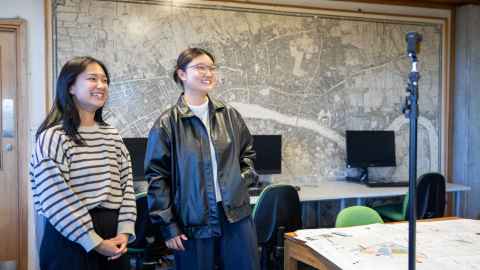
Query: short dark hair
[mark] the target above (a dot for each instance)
(185, 57)
(64, 110)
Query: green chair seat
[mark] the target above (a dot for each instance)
(356, 216)
(135, 250)
(391, 212)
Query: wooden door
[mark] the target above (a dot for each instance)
(12, 212)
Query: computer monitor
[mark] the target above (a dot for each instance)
(370, 148)
(137, 147)
(269, 154)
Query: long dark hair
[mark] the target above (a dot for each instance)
(64, 110)
(185, 58)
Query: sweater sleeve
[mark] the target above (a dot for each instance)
(53, 196)
(128, 211)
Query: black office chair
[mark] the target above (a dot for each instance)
(149, 248)
(276, 212)
(431, 196)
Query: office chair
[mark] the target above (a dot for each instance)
(431, 196)
(356, 216)
(149, 248)
(430, 200)
(277, 211)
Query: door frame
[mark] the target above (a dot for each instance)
(22, 113)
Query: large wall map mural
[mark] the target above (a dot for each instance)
(306, 76)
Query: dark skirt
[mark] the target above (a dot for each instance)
(59, 253)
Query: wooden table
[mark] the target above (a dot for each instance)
(296, 251)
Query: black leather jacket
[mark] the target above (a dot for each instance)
(178, 168)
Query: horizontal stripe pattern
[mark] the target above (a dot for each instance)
(68, 180)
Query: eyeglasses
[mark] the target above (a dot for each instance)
(203, 69)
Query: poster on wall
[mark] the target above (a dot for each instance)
(306, 74)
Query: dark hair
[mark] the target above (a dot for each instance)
(64, 110)
(185, 58)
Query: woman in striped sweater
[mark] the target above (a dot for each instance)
(81, 176)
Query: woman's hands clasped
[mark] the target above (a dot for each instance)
(113, 248)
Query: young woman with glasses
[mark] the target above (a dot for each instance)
(199, 163)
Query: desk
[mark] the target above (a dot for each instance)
(343, 190)
(452, 249)
(296, 251)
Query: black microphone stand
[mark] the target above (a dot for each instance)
(410, 109)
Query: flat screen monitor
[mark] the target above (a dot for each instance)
(370, 148)
(269, 154)
(137, 147)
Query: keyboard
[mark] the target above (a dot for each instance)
(387, 183)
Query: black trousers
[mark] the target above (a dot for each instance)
(59, 253)
(236, 249)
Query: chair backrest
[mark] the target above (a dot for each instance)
(142, 222)
(431, 196)
(277, 206)
(357, 215)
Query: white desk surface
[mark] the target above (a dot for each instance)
(340, 190)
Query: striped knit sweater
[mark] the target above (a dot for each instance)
(68, 179)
